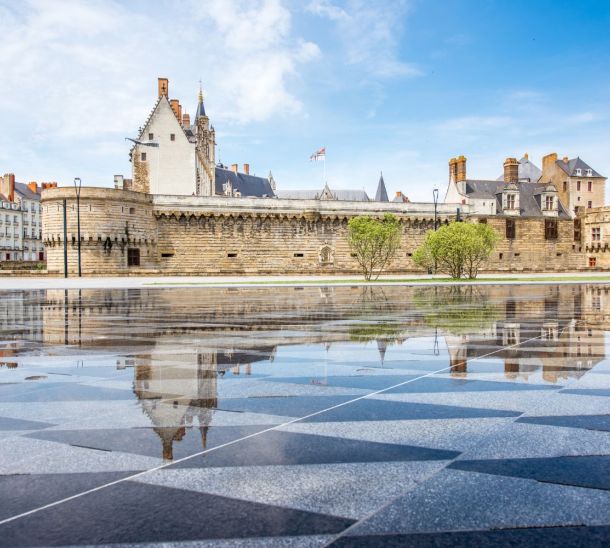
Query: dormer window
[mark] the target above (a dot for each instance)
(578, 172)
(510, 201)
(589, 172)
(549, 202)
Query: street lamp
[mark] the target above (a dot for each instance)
(435, 196)
(77, 188)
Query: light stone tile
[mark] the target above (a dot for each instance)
(305, 541)
(453, 500)
(351, 490)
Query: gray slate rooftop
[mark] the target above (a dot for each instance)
(528, 171)
(247, 185)
(574, 164)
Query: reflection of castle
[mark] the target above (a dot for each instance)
(178, 391)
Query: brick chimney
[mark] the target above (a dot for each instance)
(453, 170)
(8, 186)
(511, 170)
(548, 161)
(234, 168)
(566, 160)
(186, 120)
(461, 168)
(163, 85)
(33, 186)
(247, 169)
(526, 156)
(175, 104)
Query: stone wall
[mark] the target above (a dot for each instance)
(597, 252)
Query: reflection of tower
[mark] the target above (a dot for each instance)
(382, 347)
(173, 395)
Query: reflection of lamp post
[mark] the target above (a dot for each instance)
(65, 238)
(435, 197)
(77, 187)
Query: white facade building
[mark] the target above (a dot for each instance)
(11, 234)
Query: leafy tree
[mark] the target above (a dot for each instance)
(458, 249)
(374, 242)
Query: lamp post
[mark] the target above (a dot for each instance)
(435, 197)
(77, 187)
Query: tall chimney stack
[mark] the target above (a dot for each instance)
(453, 170)
(33, 186)
(234, 168)
(8, 186)
(548, 161)
(186, 120)
(511, 170)
(163, 85)
(247, 169)
(461, 168)
(174, 103)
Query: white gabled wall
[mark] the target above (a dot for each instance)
(171, 165)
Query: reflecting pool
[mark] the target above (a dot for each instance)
(305, 415)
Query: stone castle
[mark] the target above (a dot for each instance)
(181, 212)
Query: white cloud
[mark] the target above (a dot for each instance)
(370, 33)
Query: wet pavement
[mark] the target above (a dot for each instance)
(306, 416)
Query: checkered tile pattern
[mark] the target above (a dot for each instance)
(293, 430)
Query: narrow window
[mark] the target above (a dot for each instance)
(589, 204)
(592, 261)
(501, 256)
(511, 229)
(589, 186)
(550, 229)
(298, 254)
(150, 136)
(510, 201)
(548, 203)
(577, 185)
(172, 137)
(577, 230)
(143, 156)
(133, 257)
(565, 186)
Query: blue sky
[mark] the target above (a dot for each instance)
(398, 86)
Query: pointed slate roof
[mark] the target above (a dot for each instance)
(382, 194)
(200, 108)
(574, 164)
(246, 185)
(528, 171)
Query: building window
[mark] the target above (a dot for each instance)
(172, 137)
(510, 201)
(143, 156)
(132, 210)
(596, 234)
(577, 230)
(501, 256)
(565, 186)
(298, 254)
(592, 261)
(150, 136)
(589, 186)
(232, 255)
(589, 204)
(548, 203)
(589, 172)
(550, 229)
(579, 172)
(483, 221)
(133, 256)
(577, 185)
(511, 229)
(326, 255)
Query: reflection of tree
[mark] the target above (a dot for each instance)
(457, 310)
(365, 332)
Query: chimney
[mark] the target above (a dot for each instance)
(8, 186)
(33, 186)
(453, 170)
(234, 168)
(526, 156)
(163, 84)
(511, 170)
(175, 107)
(179, 111)
(461, 168)
(247, 169)
(548, 161)
(566, 160)
(398, 194)
(118, 181)
(186, 120)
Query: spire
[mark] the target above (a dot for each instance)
(200, 108)
(382, 194)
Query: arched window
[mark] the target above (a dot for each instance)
(326, 255)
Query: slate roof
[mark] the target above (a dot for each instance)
(528, 171)
(529, 196)
(247, 185)
(343, 195)
(25, 191)
(382, 194)
(574, 164)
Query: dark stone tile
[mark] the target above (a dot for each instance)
(289, 406)
(439, 384)
(150, 441)
(22, 492)
(540, 537)
(7, 423)
(367, 382)
(278, 447)
(585, 471)
(68, 391)
(132, 512)
(588, 391)
(379, 410)
(588, 422)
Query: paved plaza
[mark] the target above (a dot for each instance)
(305, 416)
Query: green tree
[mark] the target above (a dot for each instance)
(374, 242)
(458, 249)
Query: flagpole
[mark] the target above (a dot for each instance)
(324, 165)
